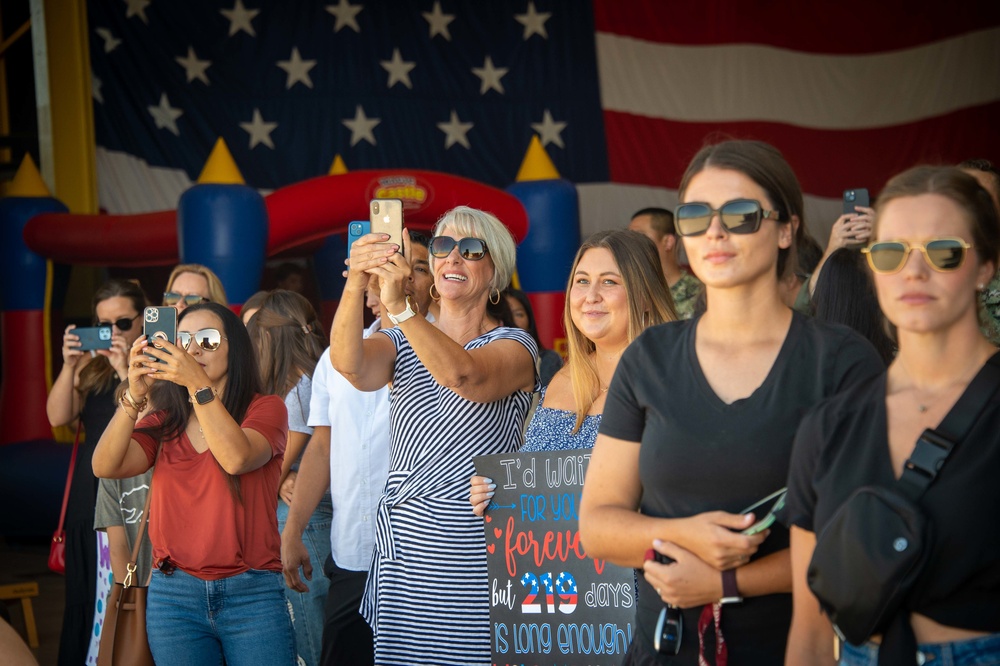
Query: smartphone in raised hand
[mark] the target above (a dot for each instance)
(160, 323)
(385, 216)
(93, 337)
(857, 196)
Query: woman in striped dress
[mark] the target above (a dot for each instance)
(461, 387)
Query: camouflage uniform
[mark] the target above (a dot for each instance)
(685, 293)
(989, 310)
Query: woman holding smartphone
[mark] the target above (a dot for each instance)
(217, 592)
(84, 391)
(935, 246)
(700, 416)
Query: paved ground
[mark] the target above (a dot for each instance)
(22, 562)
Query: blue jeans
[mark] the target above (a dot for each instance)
(983, 651)
(307, 607)
(242, 619)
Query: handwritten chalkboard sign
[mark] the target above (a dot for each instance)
(549, 602)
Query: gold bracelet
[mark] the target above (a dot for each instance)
(137, 406)
(125, 406)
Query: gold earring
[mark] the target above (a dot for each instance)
(497, 301)
(432, 291)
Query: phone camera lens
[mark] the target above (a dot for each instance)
(851, 196)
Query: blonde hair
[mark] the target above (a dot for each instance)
(216, 292)
(474, 223)
(649, 304)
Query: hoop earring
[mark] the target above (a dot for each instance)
(432, 291)
(497, 301)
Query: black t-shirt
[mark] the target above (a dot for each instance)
(699, 454)
(843, 445)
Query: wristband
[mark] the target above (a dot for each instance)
(730, 593)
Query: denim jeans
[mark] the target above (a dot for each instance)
(307, 607)
(242, 619)
(983, 651)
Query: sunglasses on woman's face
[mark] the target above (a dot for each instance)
(942, 254)
(208, 339)
(173, 298)
(739, 216)
(472, 249)
(122, 324)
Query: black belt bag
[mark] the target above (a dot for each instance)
(875, 546)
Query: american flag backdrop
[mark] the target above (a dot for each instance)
(621, 92)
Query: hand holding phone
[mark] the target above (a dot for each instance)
(855, 197)
(356, 230)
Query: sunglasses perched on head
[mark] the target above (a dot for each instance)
(739, 216)
(472, 249)
(173, 298)
(123, 324)
(208, 339)
(941, 254)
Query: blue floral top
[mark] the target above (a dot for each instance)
(552, 430)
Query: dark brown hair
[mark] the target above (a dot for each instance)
(99, 374)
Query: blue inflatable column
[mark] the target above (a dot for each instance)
(545, 256)
(22, 319)
(224, 227)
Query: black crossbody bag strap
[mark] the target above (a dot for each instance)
(935, 445)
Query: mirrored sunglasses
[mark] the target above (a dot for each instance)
(208, 339)
(739, 216)
(122, 324)
(942, 254)
(173, 298)
(472, 249)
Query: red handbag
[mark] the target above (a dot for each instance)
(57, 549)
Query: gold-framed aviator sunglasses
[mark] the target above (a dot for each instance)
(942, 254)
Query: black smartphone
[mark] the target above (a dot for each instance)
(855, 197)
(386, 217)
(356, 230)
(160, 323)
(93, 337)
(765, 511)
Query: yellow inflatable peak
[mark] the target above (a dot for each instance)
(220, 168)
(338, 168)
(537, 164)
(27, 181)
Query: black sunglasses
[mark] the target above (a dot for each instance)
(208, 339)
(739, 216)
(173, 298)
(472, 249)
(122, 324)
(942, 254)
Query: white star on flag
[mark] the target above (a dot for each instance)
(165, 116)
(137, 8)
(490, 76)
(110, 43)
(194, 68)
(297, 69)
(361, 127)
(260, 131)
(240, 18)
(95, 88)
(455, 131)
(346, 14)
(399, 69)
(438, 21)
(549, 130)
(533, 22)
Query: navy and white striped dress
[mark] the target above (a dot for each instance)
(427, 597)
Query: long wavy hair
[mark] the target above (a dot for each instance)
(99, 374)
(649, 303)
(288, 338)
(242, 385)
